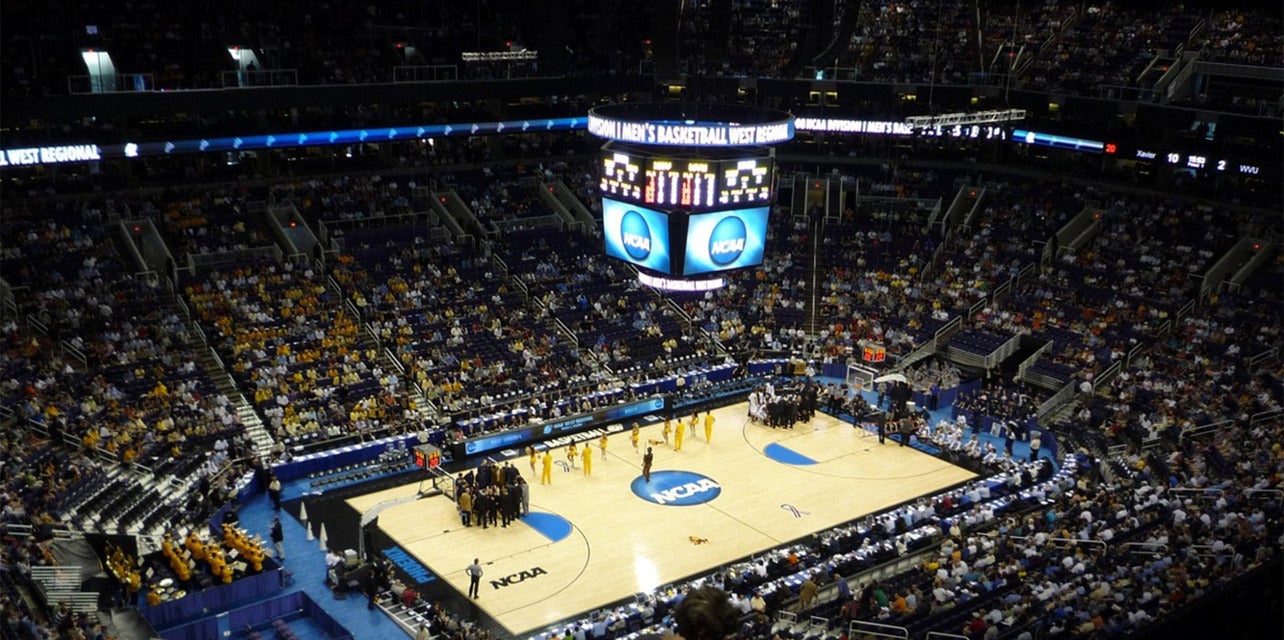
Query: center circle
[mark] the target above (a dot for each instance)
(673, 488)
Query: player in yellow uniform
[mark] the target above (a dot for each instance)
(708, 426)
(633, 437)
(601, 444)
(668, 429)
(677, 437)
(571, 452)
(588, 460)
(547, 477)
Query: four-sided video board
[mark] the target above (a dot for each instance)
(685, 200)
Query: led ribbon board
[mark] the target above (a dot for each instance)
(34, 156)
(691, 125)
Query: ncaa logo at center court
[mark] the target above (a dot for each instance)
(635, 235)
(676, 488)
(727, 241)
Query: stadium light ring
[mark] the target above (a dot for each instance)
(678, 125)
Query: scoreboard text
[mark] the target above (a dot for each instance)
(693, 184)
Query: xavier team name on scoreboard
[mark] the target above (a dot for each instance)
(690, 135)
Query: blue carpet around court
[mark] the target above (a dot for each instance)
(307, 560)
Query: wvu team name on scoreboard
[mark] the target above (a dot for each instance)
(690, 135)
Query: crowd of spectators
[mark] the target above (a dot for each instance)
(188, 47)
(622, 324)
(18, 554)
(1123, 287)
(115, 368)
(932, 374)
(1236, 36)
(1073, 555)
(296, 346)
(463, 333)
(349, 197)
(1006, 403)
(1203, 373)
(1053, 46)
(296, 350)
(1063, 46)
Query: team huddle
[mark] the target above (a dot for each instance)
(491, 496)
(784, 408)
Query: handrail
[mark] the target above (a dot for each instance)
(1203, 429)
(8, 299)
(878, 629)
(1170, 75)
(1262, 358)
(1179, 86)
(1185, 310)
(1272, 74)
(1198, 492)
(401, 368)
(221, 366)
(567, 330)
(75, 353)
(425, 73)
(1208, 551)
(111, 83)
(1146, 547)
(1107, 375)
(677, 308)
(942, 634)
(187, 312)
(247, 79)
(1277, 493)
(36, 324)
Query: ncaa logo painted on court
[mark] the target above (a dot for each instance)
(676, 488)
(727, 241)
(635, 235)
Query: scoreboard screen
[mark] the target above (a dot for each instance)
(724, 240)
(621, 176)
(745, 182)
(680, 183)
(636, 234)
(693, 184)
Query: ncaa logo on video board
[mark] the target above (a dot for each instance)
(676, 488)
(727, 241)
(635, 235)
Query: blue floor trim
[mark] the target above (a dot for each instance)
(785, 455)
(551, 526)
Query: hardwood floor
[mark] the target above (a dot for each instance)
(771, 486)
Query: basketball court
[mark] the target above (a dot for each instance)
(592, 540)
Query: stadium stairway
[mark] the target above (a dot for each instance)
(223, 382)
